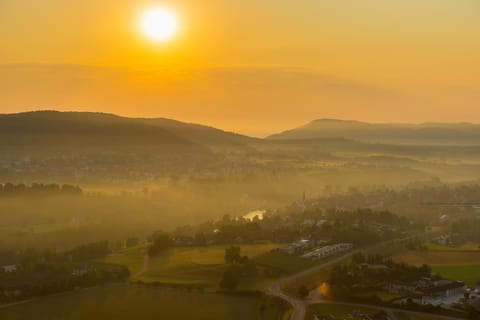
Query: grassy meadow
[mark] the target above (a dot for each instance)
(132, 258)
(451, 263)
(284, 262)
(202, 266)
(464, 248)
(469, 274)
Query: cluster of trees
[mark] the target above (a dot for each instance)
(466, 230)
(239, 267)
(357, 226)
(369, 216)
(18, 286)
(132, 242)
(359, 236)
(46, 272)
(233, 255)
(421, 196)
(32, 260)
(360, 227)
(160, 242)
(10, 189)
(348, 276)
(90, 251)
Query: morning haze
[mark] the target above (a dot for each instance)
(269, 160)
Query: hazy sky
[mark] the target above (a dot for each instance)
(253, 66)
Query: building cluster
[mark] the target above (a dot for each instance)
(427, 287)
(443, 240)
(303, 245)
(8, 262)
(327, 251)
(427, 291)
(8, 268)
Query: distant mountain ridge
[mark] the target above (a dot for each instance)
(394, 133)
(56, 128)
(88, 129)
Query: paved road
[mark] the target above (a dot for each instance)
(300, 306)
(391, 312)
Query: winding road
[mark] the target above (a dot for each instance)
(300, 306)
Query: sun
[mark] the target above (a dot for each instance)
(159, 24)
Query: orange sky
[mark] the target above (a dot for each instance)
(250, 66)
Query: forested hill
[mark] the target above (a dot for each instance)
(201, 134)
(390, 133)
(61, 129)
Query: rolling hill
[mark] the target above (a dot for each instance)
(412, 134)
(77, 129)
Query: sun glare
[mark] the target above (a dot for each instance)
(159, 24)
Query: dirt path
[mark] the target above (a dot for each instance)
(146, 260)
(14, 303)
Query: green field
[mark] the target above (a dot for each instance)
(195, 265)
(284, 262)
(458, 264)
(126, 302)
(338, 311)
(132, 258)
(468, 274)
(465, 248)
(439, 258)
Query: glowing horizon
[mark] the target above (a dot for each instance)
(250, 67)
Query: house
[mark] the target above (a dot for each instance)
(327, 251)
(321, 242)
(442, 288)
(10, 293)
(367, 266)
(80, 271)
(444, 218)
(309, 222)
(443, 240)
(322, 222)
(8, 261)
(402, 288)
(296, 246)
(9, 268)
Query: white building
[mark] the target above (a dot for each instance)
(327, 251)
(9, 268)
(296, 246)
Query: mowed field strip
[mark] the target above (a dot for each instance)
(196, 265)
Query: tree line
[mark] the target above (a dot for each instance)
(46, 272)
(10, 189)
